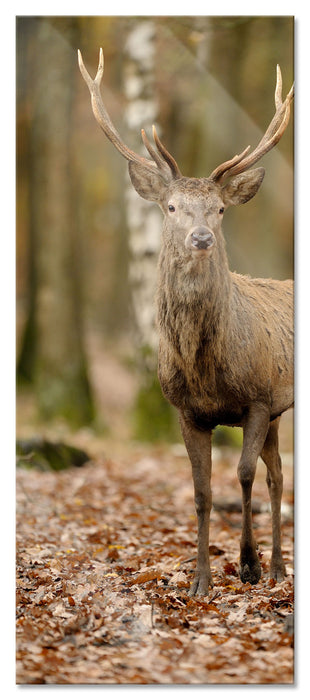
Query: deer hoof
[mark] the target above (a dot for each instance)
(250, 573)
(200, 585)
(277, 570)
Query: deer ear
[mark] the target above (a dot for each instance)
(149, 185)
(242, 187)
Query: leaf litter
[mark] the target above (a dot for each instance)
(105, 556)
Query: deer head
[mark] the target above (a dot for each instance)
(192, 207)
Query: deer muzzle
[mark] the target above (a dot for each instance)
(200, 238)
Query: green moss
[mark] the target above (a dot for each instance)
(223, 435)
(41, 454)
(154, 420)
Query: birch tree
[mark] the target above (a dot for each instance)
(154, 418)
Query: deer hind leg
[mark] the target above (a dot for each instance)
(254, 433)
(198, 445)
(272, 459)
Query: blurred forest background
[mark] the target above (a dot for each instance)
(87, 245)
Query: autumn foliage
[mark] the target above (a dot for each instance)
(105, 556)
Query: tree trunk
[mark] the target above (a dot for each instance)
(52, 353)
(143, 219)
(153, 418)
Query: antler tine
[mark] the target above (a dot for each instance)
(156, 156)
(278, 90)
(162, 157)
(271, 136)
(221, 169)
(166, 155)
(281, 110)
(85, 74)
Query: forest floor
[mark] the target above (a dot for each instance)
(105, 556)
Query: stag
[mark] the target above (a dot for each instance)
(225, 340)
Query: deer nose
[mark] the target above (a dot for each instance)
(202, 238)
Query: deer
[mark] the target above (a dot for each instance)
(225, 341)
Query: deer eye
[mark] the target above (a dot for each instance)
(171, 207)
(221, 210)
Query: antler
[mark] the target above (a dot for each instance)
(162, 163)
(276, 128)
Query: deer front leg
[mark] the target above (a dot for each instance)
(198, 445)
(272, 459)
(254, 433)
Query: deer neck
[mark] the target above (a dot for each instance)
(193, 300)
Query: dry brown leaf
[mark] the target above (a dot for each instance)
(144, 577)
(103, 578)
